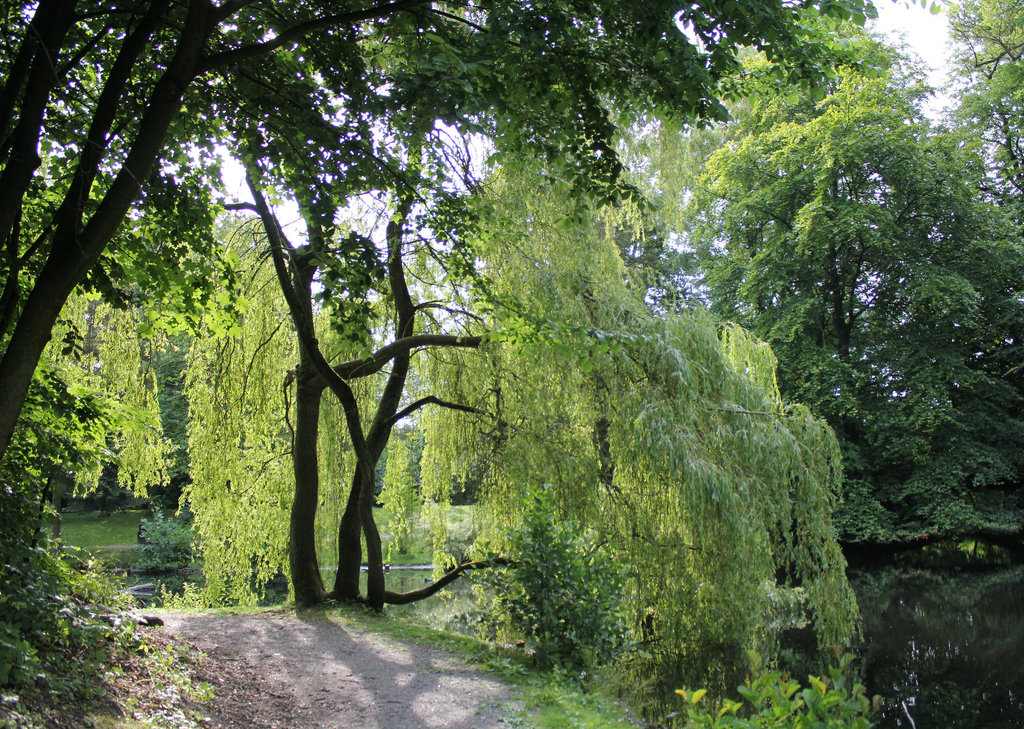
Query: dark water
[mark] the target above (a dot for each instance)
(945, 646)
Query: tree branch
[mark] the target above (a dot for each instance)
(293, 34)
(304, 323)
(376, 361)
(432, 400)
(404, 598)
(230, 207)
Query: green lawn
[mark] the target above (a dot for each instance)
(96, 529)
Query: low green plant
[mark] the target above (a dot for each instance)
(166, 543)
(55, 623)
(557, 592)
(190, 597)
(773, 700)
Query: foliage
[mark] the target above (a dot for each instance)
(164, 544)
(110, 128)
(664, 434)
(170, 366)
(51, 635)
(772, 699)
(400, 498)
(558, 592)
(989, 54)
(849, 234)
(238, 448)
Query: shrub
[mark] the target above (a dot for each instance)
(773, 700)
(558, 592)
(52, 629)
(166, 544)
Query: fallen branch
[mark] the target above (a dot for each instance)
(404, 598)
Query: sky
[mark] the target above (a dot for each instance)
(926, 33)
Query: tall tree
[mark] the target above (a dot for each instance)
(663, 434)
(325, 142)
(91, 100)
(851, 236)
(989, 42)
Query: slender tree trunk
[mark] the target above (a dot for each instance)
(374, 554)
(357, 523)
(302, 559)
(350, 546)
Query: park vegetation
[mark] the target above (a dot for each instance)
(682, 300)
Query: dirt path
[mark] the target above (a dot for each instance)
(287, 672)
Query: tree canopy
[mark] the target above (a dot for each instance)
(851, 235)
(476, 259)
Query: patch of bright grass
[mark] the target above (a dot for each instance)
(97, 529)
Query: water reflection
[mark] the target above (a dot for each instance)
(945, 647)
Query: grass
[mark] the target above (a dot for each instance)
(96, 529)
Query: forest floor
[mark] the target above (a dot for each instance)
(281, 670)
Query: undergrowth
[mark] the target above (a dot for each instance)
(73, 655)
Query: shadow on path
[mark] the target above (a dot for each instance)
(273, 672)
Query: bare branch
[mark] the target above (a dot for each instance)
(432, 400)
(404, 598)
(375, 362)
(241, 206)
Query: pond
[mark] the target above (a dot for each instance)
(945, 646)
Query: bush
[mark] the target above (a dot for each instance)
(53, 634)
(773, 700)
(558, 593)
(165, 544)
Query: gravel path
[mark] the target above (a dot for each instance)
(306, 672)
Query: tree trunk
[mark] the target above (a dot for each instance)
(358, 522)
(302, 559)
(374, 554)
(350, 549)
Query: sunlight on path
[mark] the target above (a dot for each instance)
(305, 672)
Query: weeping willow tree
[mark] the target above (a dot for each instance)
(283, 464)
(665, 435)
(97, 353)
(237, 425)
